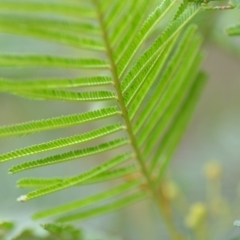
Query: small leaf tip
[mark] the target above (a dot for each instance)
(22, 198)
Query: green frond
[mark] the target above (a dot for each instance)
(166, 78)
(192, 72)
(105, 176)
(131, 92)
(7, 85)
(61, 143)
(72, 10)
(175, 133)
(51, 61)
(180, 82)
(160, 43)
(58, 122)
(78, 179)
(104, 209)
(171, 113)
(233, 30)
(143, 32)
(150, 79)
(66, 96)
(89, 201)
(67, 156)
(153, 92)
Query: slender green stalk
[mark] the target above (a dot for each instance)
(173, 232)
(121, 99)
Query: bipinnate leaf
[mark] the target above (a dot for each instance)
(140, 70)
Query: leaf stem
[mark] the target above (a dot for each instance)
(129, 129)
(124, 110)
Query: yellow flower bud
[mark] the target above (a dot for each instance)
(196, 215)
(213, 170)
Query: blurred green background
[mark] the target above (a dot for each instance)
(213, 134)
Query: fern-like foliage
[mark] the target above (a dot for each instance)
(151, 85)
(55, 232)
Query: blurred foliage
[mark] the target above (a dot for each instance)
(55, 232)
(212, 217)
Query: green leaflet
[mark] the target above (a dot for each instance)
(118, 7)
(104, 209)
(58, 122)
(130, 93)
(149, 80)
(37, 182)
(88, 201)
(78, 179)
(166, 78)
(50, 61)
(159, 43)
(151, 21)
(124, 34)
(66, 25)
(192, 71)
(66, 96)
(105, 176)
(60, 143)
(181, 9)
(23, 85)
(171, 113)
(67, 156)
(71, 10)
(174, 136)
(57, 36)
(179, 83)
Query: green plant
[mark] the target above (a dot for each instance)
(234, 30)
(55, 232)
(135, 71)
